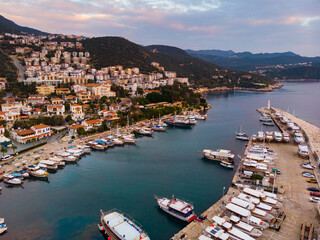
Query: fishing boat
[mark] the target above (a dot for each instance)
(227, 164)
(286, 136)
(298, 138)
(117, 142)
(199, 116)
(58, 160)
(128, 139)
(118, 226)
(253, 232)
(191, 119)
(261, 136)
(218, 155)
(241, 135)
(158, 128)
(177, 208)
(35, 171)
(3, 228)
(277, 136)
(307, 166)
(269, 136)
(270, 123)
(10, 179)
(50, 165)
(70, 159)
(303, 150)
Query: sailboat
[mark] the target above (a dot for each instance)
(241, 135)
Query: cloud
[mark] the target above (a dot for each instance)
(259, 26)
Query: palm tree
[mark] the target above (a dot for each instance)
(14, 149)
(3, 150)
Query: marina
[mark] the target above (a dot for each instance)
(106, 173)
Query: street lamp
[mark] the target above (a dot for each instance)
(223, 191)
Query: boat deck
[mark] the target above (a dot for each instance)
(122, 226)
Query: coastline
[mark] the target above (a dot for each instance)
(223, 89)
(299, 80)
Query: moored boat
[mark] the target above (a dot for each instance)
(269, 136)
(179, 121)
(119, 226)
(270, 123)
(261, 136)
(303, 150)
(227, 164)
(35, 171)
(10, 179)
(298, 138)
(219, 155)
(3, 228)
(286, 136)
(50, 165)
(277, 136)
(177, 208)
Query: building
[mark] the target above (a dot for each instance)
(57, 101)
(62, 91)
(73, 129)
(102, 90)
(2, 130)
(42, 131)
(84, 96)
(56, 109)
(23, 136)
(71, 98)
(76, 112)
(34, 99)
(3, 83)
(45, 89)
(89, 124)
(9, 116)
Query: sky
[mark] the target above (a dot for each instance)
(238, 25)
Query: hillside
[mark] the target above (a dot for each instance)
(108, 51)
(7, 68)
(312, 72)
(247, 61)
(8, 26)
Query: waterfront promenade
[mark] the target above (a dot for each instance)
(297, 207)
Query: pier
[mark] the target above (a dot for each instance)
(297, 207)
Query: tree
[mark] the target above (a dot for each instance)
(6, 133)
(33, 140)
(140, 91)
(67, 106)
(14, 148)
(3, 150)
(81, 131)
(68, 118)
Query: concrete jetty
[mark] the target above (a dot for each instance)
(295, 198)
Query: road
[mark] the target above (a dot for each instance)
(19, 67)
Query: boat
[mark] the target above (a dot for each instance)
(286, 136)
(118, 226)
(218, 155)
(254, 137)
(227, 164)
(23, 173)
(245, 227)
(10, 179)
(158, 128)
(35, 171)
(277, 136)
(144, 132)
(58, 160)
(265, 119)
(261, 136)
(284, 120)
(269, 123)
(214, 232)
(177, 208)
(97, 146)
(3, 228)
(233, 231)
(117, 142)
(303, 150)
(191, 119)
(50, 165)
(1, 220)
(269, 136)
(70, 159)
(179, 121)
(298, 138)
(241, 135)
(128, 139)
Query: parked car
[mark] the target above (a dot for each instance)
(7, 157)
(308, 175)
(314, 199)
(313, 189)
(312, 180)
(315, 194)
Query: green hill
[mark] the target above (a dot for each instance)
(8, 26)
(304, 72)
(110, 51)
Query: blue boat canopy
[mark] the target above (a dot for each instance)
(16, 174)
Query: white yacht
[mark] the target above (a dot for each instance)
(298, 138)
(177, 208)
(277, 136)
(119, 226)
(50, 165)
(303, 150)
(36, 171)
(286, 136)
(261, 136)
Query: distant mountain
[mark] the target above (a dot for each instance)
(8, 26)
(247, 61)
(110, 51)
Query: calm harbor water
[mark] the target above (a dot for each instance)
(67, 207)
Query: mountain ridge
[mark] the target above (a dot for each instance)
(8, 26)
